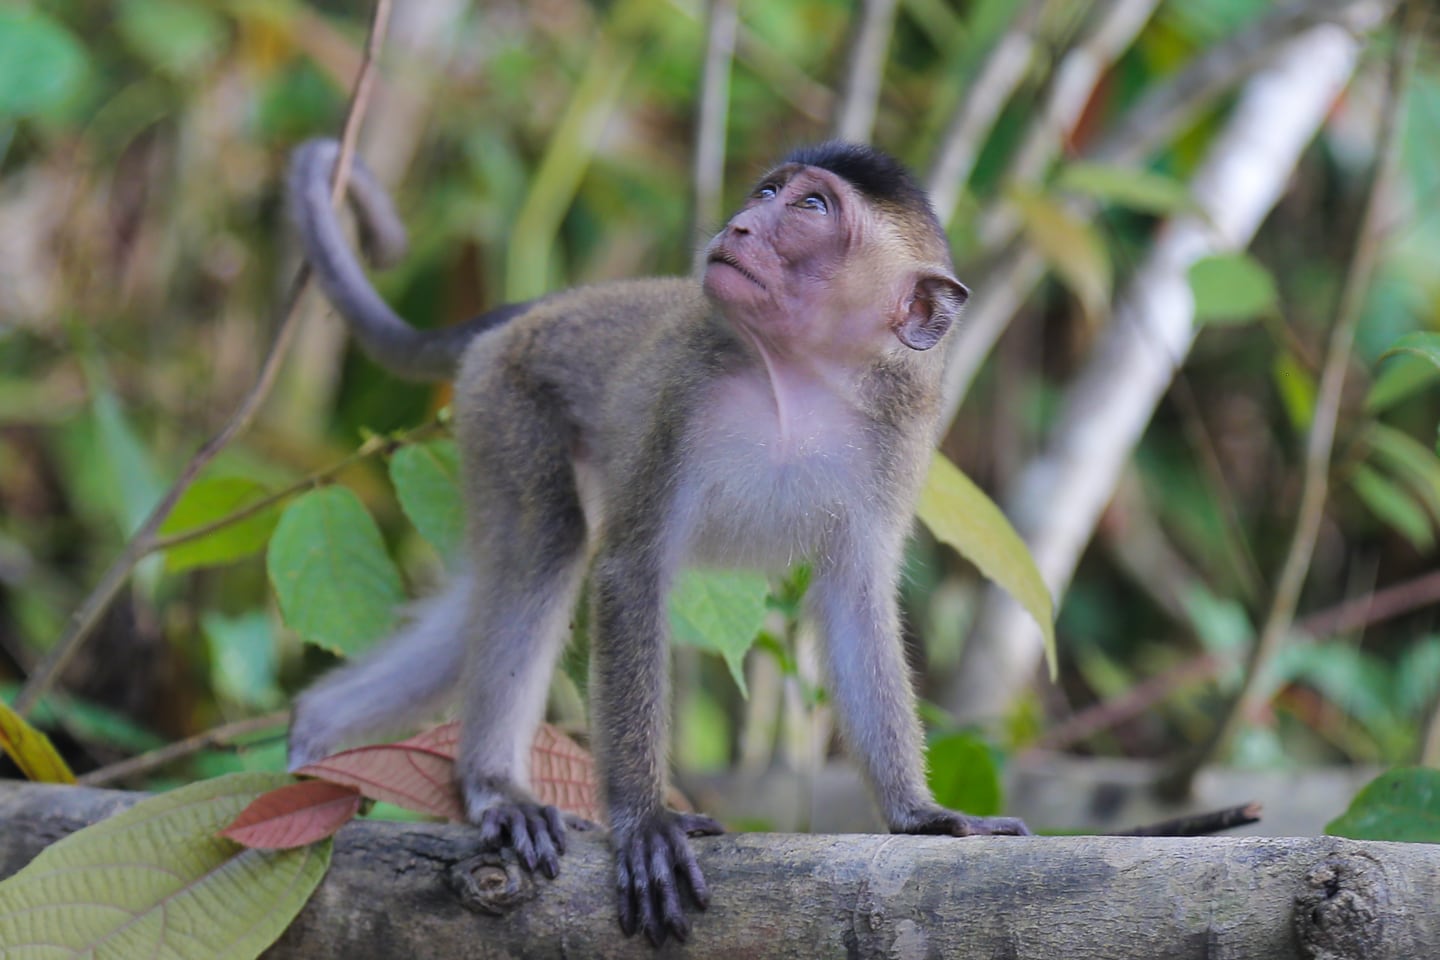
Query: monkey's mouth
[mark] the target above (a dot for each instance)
(728, 258)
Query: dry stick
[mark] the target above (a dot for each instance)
(85, 619)
(864, 71)
(1196, 824)
(992, 87)
(722, 20)
(221, 736)
(1320, 441)
(1374, 607)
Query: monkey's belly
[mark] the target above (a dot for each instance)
(765, 515)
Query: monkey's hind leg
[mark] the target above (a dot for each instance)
(531, 560)
(400, 683)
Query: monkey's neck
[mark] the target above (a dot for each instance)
(805, 398)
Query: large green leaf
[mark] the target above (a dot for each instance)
(1072, 248)
(178, 38)
(721, 611)
(1128, 187)
(337, 586)
(244, 663)
(208, 501)
(1395, 506)
(1422, 344)
(958, 513)
(962, 774)
(1231, 288)
(1400, 804)
(427, 483)
(41, 63)
(155, 881)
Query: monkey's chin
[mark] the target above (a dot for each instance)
(727, 285)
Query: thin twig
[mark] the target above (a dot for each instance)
(1373, 608)
(94, 606)
(1134, 702)
(1320, 441)
(153, 760)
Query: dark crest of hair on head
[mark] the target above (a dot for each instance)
(880, 177)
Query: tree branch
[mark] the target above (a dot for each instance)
(858, 895)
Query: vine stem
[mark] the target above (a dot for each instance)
(143, 541)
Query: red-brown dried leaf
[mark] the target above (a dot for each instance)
(562, 773)
(414, 777)
(444, 739)
(294, 815)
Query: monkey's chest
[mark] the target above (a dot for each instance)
(767, 485)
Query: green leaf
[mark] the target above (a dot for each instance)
(1127, 187)
(958, 513)
(88, 721)
(1394, 506)
(962, 774)
(1071, 247)
(31, 750)
(1405, 377)
(133, 480)
(178, 38)
(1231, 288)
(1297, 390)
(1422, 344)
(720, 611)
(244, 663)
(427, 483)
(336, 584)
(1410, 461)
(1401, 804)
(155, 881)
(41, 63)
(208, 501)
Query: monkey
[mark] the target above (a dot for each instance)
(777, 406)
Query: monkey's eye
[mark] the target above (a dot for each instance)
(766, 191)
(815, 202)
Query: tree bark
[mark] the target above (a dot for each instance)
(425, 890)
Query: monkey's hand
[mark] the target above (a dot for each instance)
(935, 820)
(535, 832)
(650, 857)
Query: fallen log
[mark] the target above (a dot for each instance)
(427, 890)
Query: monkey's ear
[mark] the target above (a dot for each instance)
(932, 308)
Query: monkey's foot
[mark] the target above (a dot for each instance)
(649, 858)
(953, 823)
(535, 832)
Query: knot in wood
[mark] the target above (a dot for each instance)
(1340, 912)
(492, 883)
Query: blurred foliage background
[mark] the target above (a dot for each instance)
(144, 253)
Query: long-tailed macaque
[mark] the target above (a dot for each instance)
(777, 407)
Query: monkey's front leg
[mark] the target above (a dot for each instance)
(870, 681)
(629, 683)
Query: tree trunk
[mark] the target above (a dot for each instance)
(420, 890)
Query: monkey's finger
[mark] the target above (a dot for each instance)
(683, 855)
(556, 825)
(699, 825)
(491, 827)
(664, 889)
(520, 837)
(1002, 826)
(538, 830)
(625, 893)
(640, 890)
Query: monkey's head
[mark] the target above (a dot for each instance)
(836, 253)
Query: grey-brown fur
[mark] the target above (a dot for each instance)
(609, 429)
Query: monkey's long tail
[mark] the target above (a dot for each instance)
(382, 333)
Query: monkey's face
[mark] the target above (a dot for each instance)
(811, 267)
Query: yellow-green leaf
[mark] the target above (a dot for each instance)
(958, 513)
(1127, 187)
(211, 500)
(157, 881)
(1231, 288)
(31, 750)
(1071, 247)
